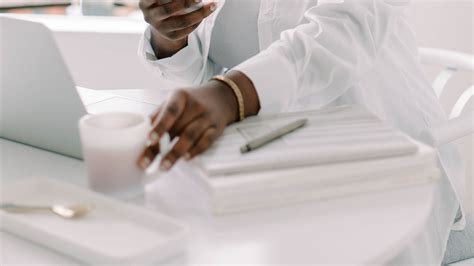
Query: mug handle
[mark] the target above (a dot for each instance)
(153, 172)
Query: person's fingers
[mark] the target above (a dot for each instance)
(164, 2)
(187, 3)
(190, 3)
(195, 112)
(169, 9)
(155, 114)
(180, 34)
(154, 14)
(206, 10)
(148, 156)
(187, 20)
(183, 33)
(146, 4)
(204, 142)
(187, 139)
(169, 114)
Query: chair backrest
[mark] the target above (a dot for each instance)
(461, 123)
(461, 120)
(452, 62)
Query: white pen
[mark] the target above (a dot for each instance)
(273, 135)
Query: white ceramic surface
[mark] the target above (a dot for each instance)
(114, 232)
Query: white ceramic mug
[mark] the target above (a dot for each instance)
(112, 144)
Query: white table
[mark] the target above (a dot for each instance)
(358, 230)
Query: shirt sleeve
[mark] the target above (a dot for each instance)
(324, 57)
(188, 66)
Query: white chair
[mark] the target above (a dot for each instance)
(461, 124)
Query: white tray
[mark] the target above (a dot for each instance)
(114, 232)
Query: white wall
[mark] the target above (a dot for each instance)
(449, 24)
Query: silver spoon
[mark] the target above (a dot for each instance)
(63, 211)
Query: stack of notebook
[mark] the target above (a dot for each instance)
(341, 151)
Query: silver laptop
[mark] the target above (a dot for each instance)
(39, 103)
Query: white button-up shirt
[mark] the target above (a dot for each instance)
(318, 53)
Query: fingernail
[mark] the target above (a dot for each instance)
(187, 156)
(145, 162)
(154, 138)
(165, 165)
(212, 7)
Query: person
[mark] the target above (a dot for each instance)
(241, 58)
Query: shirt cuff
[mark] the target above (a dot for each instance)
(274, 80)
(179, 62)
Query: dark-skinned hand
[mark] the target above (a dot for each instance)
(171, 24)
(196, 117)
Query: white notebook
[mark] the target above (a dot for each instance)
(332, 135)
(255, 190)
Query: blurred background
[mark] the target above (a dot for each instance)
(99, 40)
(446, 24)
(71, 7)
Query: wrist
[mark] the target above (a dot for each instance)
(165, 48)
(226, 101)
(248, 91)
(222, 98)
(237, 96)
(219, 98)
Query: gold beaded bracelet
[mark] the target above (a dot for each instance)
(238, 94)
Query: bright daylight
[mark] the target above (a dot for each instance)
(237, 132)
